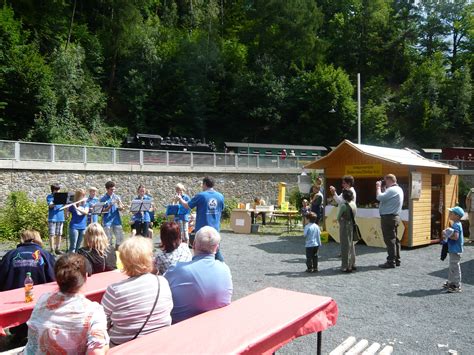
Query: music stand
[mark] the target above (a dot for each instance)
(98, 208)
(140, 206)
(60, 198)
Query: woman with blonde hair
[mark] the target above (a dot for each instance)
(100, 256)
(78, 223)
(142, 303)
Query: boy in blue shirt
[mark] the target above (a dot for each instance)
(55, 221)
(312, 235)
(455, 249)
(111, 219)
(91, 201)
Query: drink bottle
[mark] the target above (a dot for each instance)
(28, 288)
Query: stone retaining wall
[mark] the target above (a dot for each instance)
(161, 185)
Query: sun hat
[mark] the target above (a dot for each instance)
(457, 211)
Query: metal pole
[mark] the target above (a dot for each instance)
(359, 138)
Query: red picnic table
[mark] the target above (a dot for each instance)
(14, 310)
(260, 323)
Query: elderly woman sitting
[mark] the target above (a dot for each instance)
(142, 303)
(99, 254)
(172, 248)
(66, 322)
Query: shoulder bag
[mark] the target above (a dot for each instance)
(149, 315)
(356, 231)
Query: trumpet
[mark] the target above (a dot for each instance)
(73, 204)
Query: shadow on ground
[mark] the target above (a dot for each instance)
(295, 245)
(467, 272)
(424, 293)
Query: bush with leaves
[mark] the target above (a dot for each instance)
(229, 205)
(21, 213)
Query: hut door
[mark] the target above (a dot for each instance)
(437, 205)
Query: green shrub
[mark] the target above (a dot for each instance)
(295, 197)
(21, 213)
(229, 205)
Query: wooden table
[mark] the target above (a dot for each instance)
(14, 311)
(260, 323)
(288, 215)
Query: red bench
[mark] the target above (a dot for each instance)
(260, 323)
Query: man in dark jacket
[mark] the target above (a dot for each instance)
(28, 256)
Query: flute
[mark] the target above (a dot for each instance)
(73, 204)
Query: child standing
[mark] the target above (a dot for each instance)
(455, 249)
(55, 221)
(312, 235)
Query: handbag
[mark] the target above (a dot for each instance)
(356, 231)
(149, 315)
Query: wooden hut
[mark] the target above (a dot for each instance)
(430, 189)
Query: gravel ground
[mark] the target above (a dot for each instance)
(405, 307)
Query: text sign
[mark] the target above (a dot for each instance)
(364, 170)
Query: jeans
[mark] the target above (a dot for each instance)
(389, 230)
(183, 227)
(117, 231)
(312, 258)
(75, 239)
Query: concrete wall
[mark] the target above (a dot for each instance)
(243, 186)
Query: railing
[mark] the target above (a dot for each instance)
(29, 151)
(461, 164)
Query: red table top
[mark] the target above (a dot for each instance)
(14, 310)
(260, 323)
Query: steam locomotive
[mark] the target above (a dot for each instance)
(155, 141)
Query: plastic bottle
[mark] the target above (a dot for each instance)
(28, 288)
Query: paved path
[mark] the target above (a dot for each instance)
(403, 306)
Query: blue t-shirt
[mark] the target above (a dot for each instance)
(78, 221)
(142, 216)
(209, 205)
(183, 212)
(112, 217)
(198, 286)
(54, 214)
(456, 246)
(92, 218)
(312, 235)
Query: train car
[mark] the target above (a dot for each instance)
(302, 151)
(458, 153)
(431, 153)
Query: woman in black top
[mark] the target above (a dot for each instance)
(100, 256)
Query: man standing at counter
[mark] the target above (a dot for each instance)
(391, 201)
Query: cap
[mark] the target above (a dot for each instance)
(457, 211)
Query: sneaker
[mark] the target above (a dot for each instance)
(454, 289)
(387, 265)
(58, 252)
(314, 270)
(446, 285)
(309, 270)
(397, 263)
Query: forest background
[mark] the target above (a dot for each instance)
(272, 71)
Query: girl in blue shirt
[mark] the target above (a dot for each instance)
(141, 220)
(78, 223)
